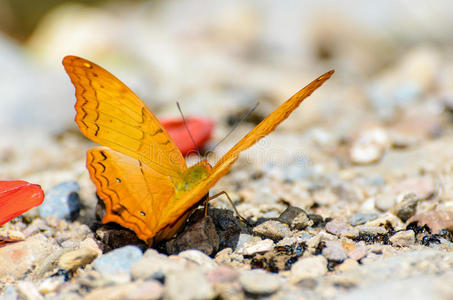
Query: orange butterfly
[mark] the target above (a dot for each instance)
(141, 175)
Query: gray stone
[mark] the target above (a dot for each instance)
(116, 264)
(361, 218)
(272, 229)
(62, 202)
(188, 285)
(259, 282)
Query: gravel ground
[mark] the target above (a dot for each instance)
(351, 198)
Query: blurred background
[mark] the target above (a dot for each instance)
(393, 62)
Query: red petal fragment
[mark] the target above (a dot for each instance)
(16, 197)
(200, 128)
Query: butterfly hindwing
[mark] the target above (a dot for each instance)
(134, 194)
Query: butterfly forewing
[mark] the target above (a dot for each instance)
(110, 114)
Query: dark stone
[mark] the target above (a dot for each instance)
(114, 236)
(228, 227)
(290, 213)
(201, 235)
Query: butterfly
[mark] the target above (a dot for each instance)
(16, 197)
(139, 172)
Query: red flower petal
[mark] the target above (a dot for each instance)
(200, 128)
(16, 197)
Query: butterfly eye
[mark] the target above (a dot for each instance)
(118, 180)
(143, 213)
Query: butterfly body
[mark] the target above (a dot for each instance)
(192, 177)
(140, 173)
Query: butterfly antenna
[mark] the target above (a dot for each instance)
(187, 128)
(236, 125)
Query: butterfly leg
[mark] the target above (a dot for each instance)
(231, 201)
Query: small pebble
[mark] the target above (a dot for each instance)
(244, 239)
(361, 218)
(222, 274)
(403, 238)
(347, 265)
(370, 146)
(157, 267)
(301, 222)
(334, 251)
(256, 247)
(423, 187)
(132, 291)
(309, 267)
(385, 201)
(116, 264)
(26, 290)
(198, 257)
(62, 202)
(272, 229)
(338, 227)
(407, 207)
(259, 282)
(384, 219)
(188, 285)
(18, 259)
(7, 235)
(358, 253)
(288, 215)
(435, 220)
(71, 261)
(50, 284)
